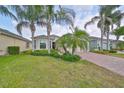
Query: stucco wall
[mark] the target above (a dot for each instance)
(6, 41)
(95, 43)
(43, 40)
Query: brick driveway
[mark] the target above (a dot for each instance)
(114, 64)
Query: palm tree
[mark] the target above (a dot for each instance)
(28, 17)
(64, 42)
(117, 17)
(79, 39)
(74, 40)
(6, 12)
(104, 13)
(51, 16)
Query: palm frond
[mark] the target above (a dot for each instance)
(20, 25)
(111, 22)
(5, 11)
(41, 23)
(96, 18)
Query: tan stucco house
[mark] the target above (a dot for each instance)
(10, 39)
(40, 42)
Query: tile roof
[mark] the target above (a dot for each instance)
(8, 33)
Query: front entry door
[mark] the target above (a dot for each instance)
(53, 45)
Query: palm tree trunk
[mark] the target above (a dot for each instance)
(102, 30)
(48, 37)
(107, 40)
(101, 41)
(32, 27)
(65, 49)
(73, 50)
(33, 41)
(117, 38)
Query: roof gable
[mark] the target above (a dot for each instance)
(8, 33)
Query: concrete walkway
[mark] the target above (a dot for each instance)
(114, 64)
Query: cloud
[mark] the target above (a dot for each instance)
(84, 13)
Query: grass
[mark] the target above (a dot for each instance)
(110, 54)
(34, 71)
(117, 55)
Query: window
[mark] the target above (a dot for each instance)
(42, 45)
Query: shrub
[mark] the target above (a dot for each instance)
(40, 53)
(120, 46)
(27, 52)
(112, 51)
(100, 52)
(13, 50)
(70, 57)
(105, 50)
(53, 53)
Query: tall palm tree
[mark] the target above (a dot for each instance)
(117, 17)
(28, 17)
(104, 13)
(51, 16)
(6, 12)
(74, 40)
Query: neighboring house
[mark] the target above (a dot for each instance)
(10, 39)
(94, 43)
(41, 43)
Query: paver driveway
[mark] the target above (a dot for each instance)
(114, 64)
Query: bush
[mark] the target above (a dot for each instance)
(100, 52)
(70, 57)
(112, 51)
(13, 50)
(27, 52)
(53, 53)
(40, 53)
(120, 45)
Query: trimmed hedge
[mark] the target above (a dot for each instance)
(105, 51)
(13, 50)
(70, 57)
(53, 53)
(40, 53)
(100, 52)
(112, 51)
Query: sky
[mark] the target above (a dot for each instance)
(83, 14)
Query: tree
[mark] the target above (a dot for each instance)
(103, 19)
(120, 45)
(74, 40)
(6, 12)
(117, 17)
(28, 17)
(64, 42)
(118, 32)
(79, 39)
(51, 16)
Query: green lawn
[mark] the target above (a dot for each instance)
(35, 71)
(117, 55)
